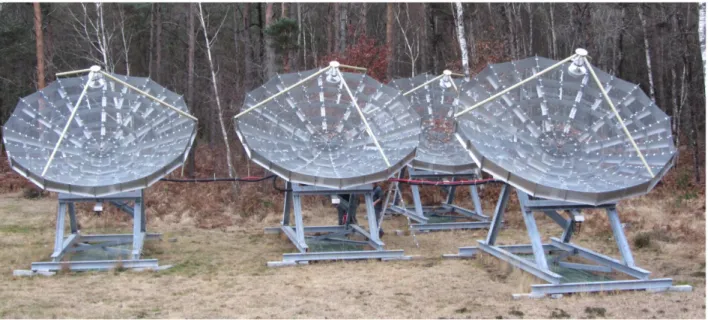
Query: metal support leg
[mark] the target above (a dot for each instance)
(59, 235)
(143, 216)
(416, 201)
(299, 226)
(498, 215)
(138, 233)
(397, 195)
(451, 194)
(475, 200)
(618, 233)
(72, 218)
(288, 204)
(557, 218)
(568, 230)
(371, 216)
(532, 229)
(535, 237)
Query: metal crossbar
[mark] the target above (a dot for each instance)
(76, 242)
(331, 235)
(557, 271)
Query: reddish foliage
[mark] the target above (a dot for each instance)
(488, 52)
(11, 181)
(363, 53)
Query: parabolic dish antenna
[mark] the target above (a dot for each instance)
(328, 128)
(556, 136)
(98, 134)
(435, 99)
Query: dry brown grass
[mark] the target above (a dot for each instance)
(221, 272)
(219, 252)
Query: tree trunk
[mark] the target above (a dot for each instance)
(363, 11)
(342, 27)
(284, 10)
(190, 84)
(48, 35)
(553, 35)
(520, 37)
(335, 26)
(389, 39)
(312, 42)
(426, 45)
(215, 86)
(620, 44)
(696, 150)
(617, 58)
(126, 44)
(246, 45)
(331, 22)
(459, 21)
(472, 43)
(702, 40)
(158, 43)
(530, 13)
(39, 45)
(296, 61)
(102, 41)
(152, 39)
(262, 44)
(270, 51)
(647, 52)
(511, 36)
(434, 42)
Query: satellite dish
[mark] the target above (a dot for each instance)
(435, 99)
(94, 135)
(307, 128)
(557, 137)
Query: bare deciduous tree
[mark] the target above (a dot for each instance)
(411, 41)
(647, 52)
(461, 38)
(702, 39)
(39, 39)
(92, 30)
(389, 38)
(269, 67)
(215, 85)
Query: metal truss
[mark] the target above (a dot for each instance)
(299, 234)
(560, 249)
(78, 242)
(421, 214)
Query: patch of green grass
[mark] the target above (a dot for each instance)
(516, 313)
(642, 240)
(593, 312)
(16, 229)
(462, 310)
(699, 274)
(559, 314)
(190, 267)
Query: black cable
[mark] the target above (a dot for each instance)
(250, 179)
(445, 184)
(275, 186)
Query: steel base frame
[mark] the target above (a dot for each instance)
(77, 242)
(299, 233)
(562, 249)
(420, 214)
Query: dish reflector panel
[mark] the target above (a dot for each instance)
(436, 104)
(119, 140)
(314, 134)
(556, 137)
